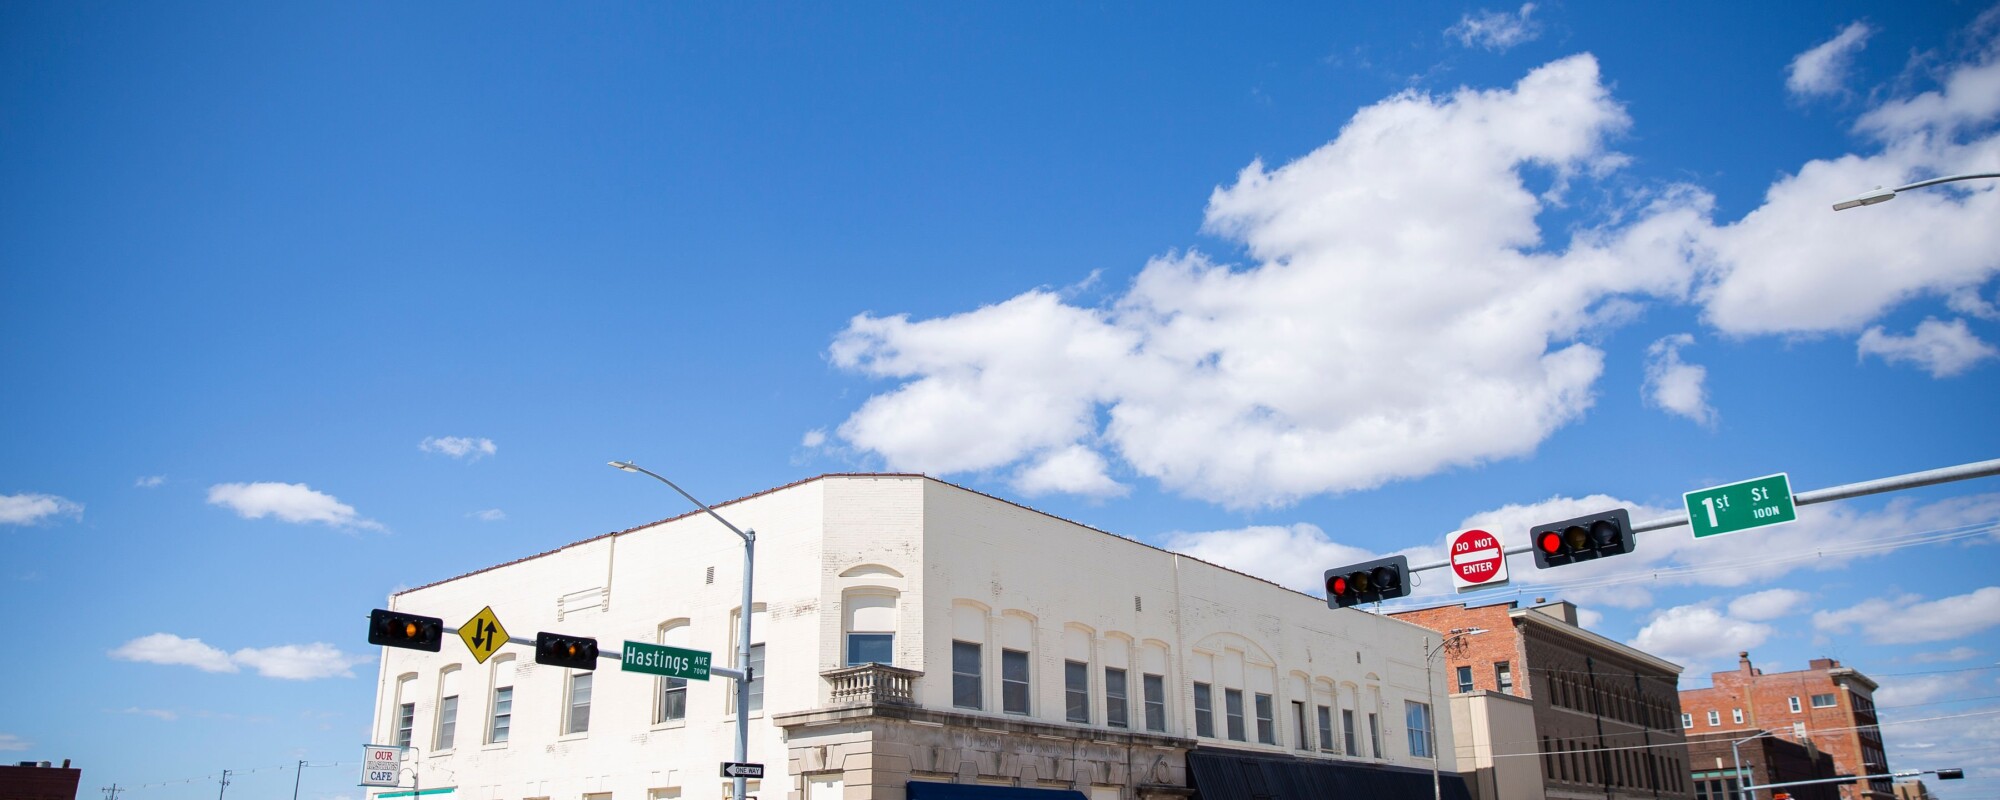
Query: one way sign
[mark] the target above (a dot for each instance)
(731, 769)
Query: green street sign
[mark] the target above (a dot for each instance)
(659, 659)
(1741, 506)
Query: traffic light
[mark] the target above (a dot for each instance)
(397, 629)
(1368, 582)
(1606, 533)
(1951, 774)
(557, 650)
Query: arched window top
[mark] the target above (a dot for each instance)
(871, 571)
(1252, 652)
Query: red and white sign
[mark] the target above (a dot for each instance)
(1477, 561)
(381, 765)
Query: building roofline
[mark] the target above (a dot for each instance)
(816, 478)
(1576, 631)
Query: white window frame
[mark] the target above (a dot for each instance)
(574, 724)
(446, 722)
(493, 701)
(1714, 718)
(1795, 704)
(1417, 719)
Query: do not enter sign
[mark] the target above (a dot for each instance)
(1477, 561)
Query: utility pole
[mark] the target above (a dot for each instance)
(111, 792)
(295, 779)
(225, 785)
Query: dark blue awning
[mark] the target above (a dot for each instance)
(1230, 775)
(929, 790)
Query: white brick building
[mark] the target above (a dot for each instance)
(1027, 651)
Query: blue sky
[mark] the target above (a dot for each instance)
(300, 306)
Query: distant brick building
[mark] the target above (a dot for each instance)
(1766, 759)
(41, 780)
(1604, 713)
(1829, 705)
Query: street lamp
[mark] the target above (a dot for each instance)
(1430, 688)
(749, 538)
(1736, 757)
(1881, 195)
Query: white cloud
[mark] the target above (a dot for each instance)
(1257, 386)
(488, 515)
(1910, 690)
(10, 741)
(1674, 385)
(290, 502)
(156, 713)
(1294, 556)
(1071, 470)
(813, 438)
(166, 648)
(1768, 605)
(465, 447)
(1960, 653)
(1941, 349)
(1588, 619)
(290, 661)
(1910, 619)
(28, 509)
(299, 662)
(1495, 30)
(1695, 635)
(150, 481)
(1823, 69)
(1968, 302)
(1794, 266)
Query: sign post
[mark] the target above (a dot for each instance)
(1477, 561)
(1741, 506)
(659, 659)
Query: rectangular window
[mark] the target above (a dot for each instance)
(447, 723)
(1736, 715)
(871, 648)
(965, 689)
(406, 721)
(1823, 701)
(578, 718)
(1014, 681)
(1795, 704)
(1204, 711)
(1155, 687)
(1374, 735)
(1326, 729)
(1076, 691)
(503, 715)
(1465, 679)
(1799, 732)
(756, 678)
(1117, 708)
(1687, 720)
(1299, 737)
(1714, 718)
(1417, 720)
(1232, 712)
(1347, 730)
(1267, 726)
(673, 700)
(1503, 676)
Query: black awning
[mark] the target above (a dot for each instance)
(1227, 775)
(930, 790)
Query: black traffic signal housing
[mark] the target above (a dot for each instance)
(1950, 774)
(558, 650)
(1368, 582)
(1591, 536)
(397, 629)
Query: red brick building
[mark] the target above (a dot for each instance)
(1826, 704)
(39, 781)
(1766, 759)
(1605, 714)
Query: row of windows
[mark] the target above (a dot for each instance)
(671, 702)
(1503, 677)
(1567, 760)
(1575, 690)
(1736, 714)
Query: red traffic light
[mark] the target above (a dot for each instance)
(1337, 586)
(1551, 542)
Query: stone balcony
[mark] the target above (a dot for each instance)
(873, 684)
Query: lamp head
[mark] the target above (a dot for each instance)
(1867, 198)
(624, 465)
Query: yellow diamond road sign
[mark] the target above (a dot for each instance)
(483, 634)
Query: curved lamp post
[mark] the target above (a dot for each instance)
(1881, 195)
(1430, 689)
(749, 538)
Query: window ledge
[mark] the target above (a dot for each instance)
(571, 737)
(672, 724)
